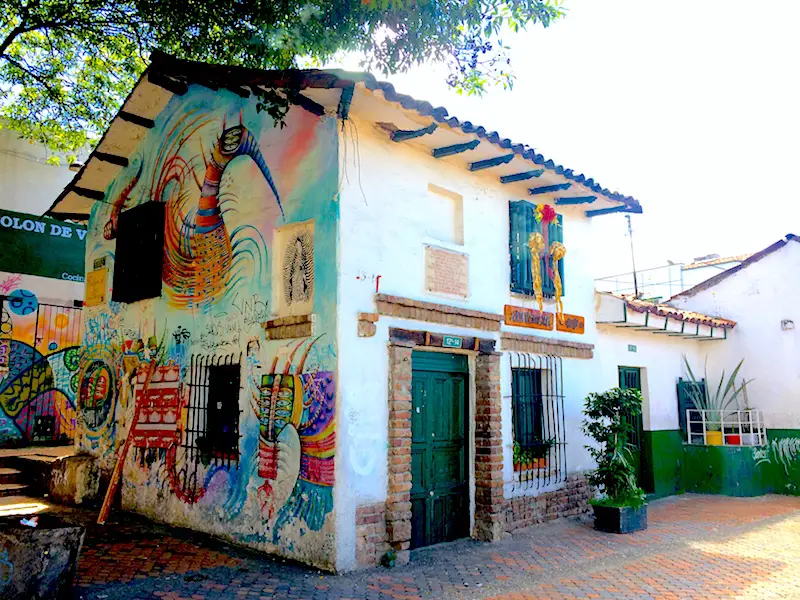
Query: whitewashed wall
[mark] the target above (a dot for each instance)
(387, 215)
(758, 298)
(660, 358)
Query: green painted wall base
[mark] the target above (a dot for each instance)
(669, 466)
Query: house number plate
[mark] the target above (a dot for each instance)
(451, 341)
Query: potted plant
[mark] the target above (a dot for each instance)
(622, 507)
(715, 404)
(540, 451)
(522, 459)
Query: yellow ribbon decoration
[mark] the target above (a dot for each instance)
(536, 244)
(557, 251)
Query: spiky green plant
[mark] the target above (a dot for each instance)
(715, 402)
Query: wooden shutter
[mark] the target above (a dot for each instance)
(556, 231)
(522, 225)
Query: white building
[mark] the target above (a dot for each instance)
(746, 312)
(323, 339)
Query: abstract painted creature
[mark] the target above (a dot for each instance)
(300, 404)
(221, 443)
(199, 252)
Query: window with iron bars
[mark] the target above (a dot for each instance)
(212, 421)
(537, 407)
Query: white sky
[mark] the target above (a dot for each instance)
(690, 106)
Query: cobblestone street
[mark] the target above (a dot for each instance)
(696, 547)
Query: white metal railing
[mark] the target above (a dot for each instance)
(725, 427)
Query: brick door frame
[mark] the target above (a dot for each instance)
(485, 447)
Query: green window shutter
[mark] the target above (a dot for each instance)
(557, 235)
(522, 224)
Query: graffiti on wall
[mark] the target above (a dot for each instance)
(39, 359)
(250, 229)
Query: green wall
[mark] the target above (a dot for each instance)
(671, 467)
(662, 456)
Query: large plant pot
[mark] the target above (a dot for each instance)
(625, 519)
(733, 439)
(714, 438)
(38, 562)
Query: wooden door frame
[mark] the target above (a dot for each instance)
(467, 376)
(486, 472)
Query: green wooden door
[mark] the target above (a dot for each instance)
(631, 378)
(439, 457)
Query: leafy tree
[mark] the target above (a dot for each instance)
(66, 65)
(609, 423)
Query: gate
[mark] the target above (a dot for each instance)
(39, 356)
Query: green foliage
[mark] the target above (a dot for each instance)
(66, 65)
(607, 425)
(525, 454)
(717, 402)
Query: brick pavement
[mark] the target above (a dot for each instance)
(696, 547)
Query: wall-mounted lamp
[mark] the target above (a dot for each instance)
(787, 324)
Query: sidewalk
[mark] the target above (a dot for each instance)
(696, 547)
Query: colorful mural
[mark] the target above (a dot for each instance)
(39, 358)
(229, 190)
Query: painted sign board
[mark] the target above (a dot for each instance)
(446, 272)
(96, 287)
(570, 323)
(528, 317)
(451, 341)
(40, 246)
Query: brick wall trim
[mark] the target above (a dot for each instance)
(418, 310)
(542, 345)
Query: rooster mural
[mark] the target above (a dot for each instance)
(200, 254)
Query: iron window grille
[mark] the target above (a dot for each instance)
(212, 416)
(139, 254)
(537, 408)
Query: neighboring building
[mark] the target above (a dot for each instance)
(29, 181)
(747, 312)
(348, 357)
(760, 295)
(41, 286)
(659, 284)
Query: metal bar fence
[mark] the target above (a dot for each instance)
(725, 428)
(537, 403)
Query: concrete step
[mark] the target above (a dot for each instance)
(9, 475)
(13, 489)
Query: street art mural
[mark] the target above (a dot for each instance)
(39, 358)
(221, 442)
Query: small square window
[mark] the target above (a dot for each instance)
(139, 253)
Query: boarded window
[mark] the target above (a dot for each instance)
(139, 253)
(444, 215)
